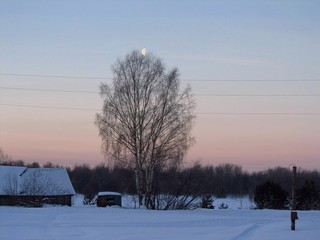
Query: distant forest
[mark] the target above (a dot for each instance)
(198, 180)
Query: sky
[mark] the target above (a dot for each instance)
(260, 60)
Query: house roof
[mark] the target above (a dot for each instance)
(109, 194)
(34, 181)
(8, 173)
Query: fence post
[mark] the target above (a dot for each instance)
(294, 214)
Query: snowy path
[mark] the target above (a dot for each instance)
(119, 223)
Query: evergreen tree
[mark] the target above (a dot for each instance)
(271, 196)
(308, 197)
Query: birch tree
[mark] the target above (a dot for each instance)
(146, 119)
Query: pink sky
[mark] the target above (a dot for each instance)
(269, 44)
(254, 142)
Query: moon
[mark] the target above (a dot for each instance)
(144, 51)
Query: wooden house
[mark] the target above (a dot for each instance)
(35, 186)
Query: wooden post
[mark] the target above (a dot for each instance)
(294, 214)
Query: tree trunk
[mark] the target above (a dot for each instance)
(139, 185)
(149, 189)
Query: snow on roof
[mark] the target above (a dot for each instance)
(34, 181)
(108, 193)
(8, 173)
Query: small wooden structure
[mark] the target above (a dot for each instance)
(33, 187)
(109, 199)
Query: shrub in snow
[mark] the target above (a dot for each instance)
(223, 206)
(270, 195)
(207, 202)
(308, 197)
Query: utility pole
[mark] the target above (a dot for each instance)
(294, 214)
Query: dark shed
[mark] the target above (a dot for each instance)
(109, 199)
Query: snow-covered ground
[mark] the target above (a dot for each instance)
(90, 222)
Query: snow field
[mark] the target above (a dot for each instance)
(90, 222)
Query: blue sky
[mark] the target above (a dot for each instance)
(214, 40)
(67, 35)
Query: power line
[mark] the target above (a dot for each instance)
(257, 95)
(194, 94)
(186, 80)
(258, 113)
(47, 90)
(48, 107)
(198, 113)
(250, 80)
(54, 76)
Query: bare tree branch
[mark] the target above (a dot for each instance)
(146, 120)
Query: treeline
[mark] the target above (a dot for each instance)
(197, 180)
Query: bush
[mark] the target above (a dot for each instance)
(207, 202)
(223, 206)
(308, 197)
(270, 195)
